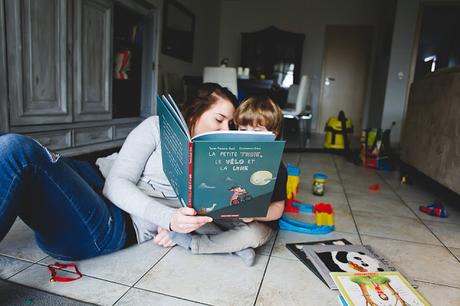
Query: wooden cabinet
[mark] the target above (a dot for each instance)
(92, 60)
(36, 32)
(59, 55)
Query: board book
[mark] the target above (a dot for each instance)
(222, 174)
(378, 288)
(297, 250)
(346, 258)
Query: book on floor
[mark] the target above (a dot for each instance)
(297, 250)
(346, 258)
(377, 288)
(220, 174)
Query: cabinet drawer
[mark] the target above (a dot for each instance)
(53, 140)
(122, 131)
(92, 135)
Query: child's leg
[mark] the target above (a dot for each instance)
(239, 237)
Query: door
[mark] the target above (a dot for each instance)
(36, 34)
(92, 60)
(345, 72)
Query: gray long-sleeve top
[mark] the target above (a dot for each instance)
(137, 184)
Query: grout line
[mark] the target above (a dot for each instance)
(168, 295)
(346, 197)
(148, 270)
(418, 217)
(402, 240)
(266, 267)
(442, 285)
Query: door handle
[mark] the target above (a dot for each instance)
(328, 80)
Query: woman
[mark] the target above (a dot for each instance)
(61, 200)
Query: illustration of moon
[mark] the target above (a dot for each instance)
(260, 178)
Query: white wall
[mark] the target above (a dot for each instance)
(206, 38)
(399, 67)
(302, 16)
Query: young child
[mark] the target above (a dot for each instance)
(241, 236)
(262, 114)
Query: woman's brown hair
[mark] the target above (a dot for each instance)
(207, 94)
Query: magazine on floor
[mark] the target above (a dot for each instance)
(220, 174)
(378, 288)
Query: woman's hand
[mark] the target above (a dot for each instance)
(162, 238)
(184, 220)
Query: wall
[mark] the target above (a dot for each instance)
(302, 16)
(399, 66)
(205, 51)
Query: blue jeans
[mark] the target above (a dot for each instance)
(59, 198)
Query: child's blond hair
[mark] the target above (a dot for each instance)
(261, 111)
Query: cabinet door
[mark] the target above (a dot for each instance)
(92, 60)
(37, 61)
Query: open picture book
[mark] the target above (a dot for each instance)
(379, 288)
(324, 257)
(220, 174)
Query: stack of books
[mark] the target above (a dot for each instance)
(362, 276)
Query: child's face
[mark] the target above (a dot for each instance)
(258, 128)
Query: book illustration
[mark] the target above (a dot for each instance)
(297, 250)
(379, 289)
(345, 258)
(239, 195)
(220, 173)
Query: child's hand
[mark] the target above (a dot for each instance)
(162, 238)
(247, 220)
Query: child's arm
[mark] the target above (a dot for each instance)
(275, 211)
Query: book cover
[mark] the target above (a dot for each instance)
(379, 288)
(297, 250)
(220, 174)
(346, 258)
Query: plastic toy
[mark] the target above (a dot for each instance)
(292, 185)
(324, 219)
(434, 209)
(319, 180)
(375, 187)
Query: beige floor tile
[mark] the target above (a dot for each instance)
(280, 250)
(86, 289)
(10, 266)
(414, 193)
(212, 279)
(439, 295)
(448, 233)
(381, 205)
(20, 243)
(138, 297)
(456, 252)
(428, 263)
(288, 282)
(401, 228)
(124, 267)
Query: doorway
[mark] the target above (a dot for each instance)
(345, 70)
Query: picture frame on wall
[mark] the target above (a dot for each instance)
(178, 31)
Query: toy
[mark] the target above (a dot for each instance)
(375, 187)
(324, 219)
(434, 209)
(319, 180)
(292, 187)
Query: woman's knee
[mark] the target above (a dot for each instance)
(20, 145)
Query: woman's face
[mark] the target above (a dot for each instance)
(216, 118)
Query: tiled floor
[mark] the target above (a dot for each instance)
(425, 248)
